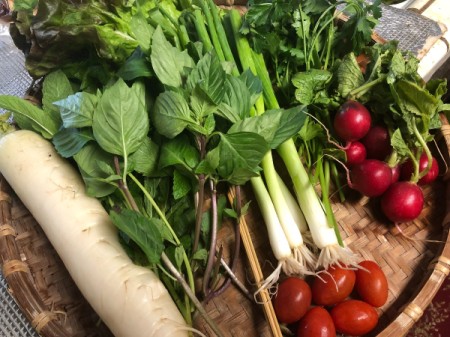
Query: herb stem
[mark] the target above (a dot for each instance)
(213, 240)
(169, 227)
(427, 152)
(201, 196)
(191, 295)
(360, 91)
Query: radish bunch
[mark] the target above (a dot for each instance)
(375, 170)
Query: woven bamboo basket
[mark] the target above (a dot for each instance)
(415, 257)
(416, 261)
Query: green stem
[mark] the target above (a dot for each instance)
(337, 181)
(212, 31)
(360, 91)
(202, 32)
(427, 151)
(324, 178)
(222, 36)
(169, 227)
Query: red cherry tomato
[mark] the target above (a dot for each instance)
(354, 317)
(317, 322)
(292, 300)
(333, 286)
(371, 284)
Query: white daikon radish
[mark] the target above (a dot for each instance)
(131, 300)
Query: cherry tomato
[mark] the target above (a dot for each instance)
(354, 317)
(371, 283)
(292, 300)
(317, 322)
(333, 286)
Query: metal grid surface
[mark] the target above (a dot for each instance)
(14, 80)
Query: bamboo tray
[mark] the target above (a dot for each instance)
(416, 262)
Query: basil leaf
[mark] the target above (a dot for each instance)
(69, 141)
(145, 159)
(275, 126)
(77, 110)
(209, 76)
(28, 116)
(137, 65)
(96, 170)
(181, 185)
(180, 153)
(236, 101)
(141, 30)
(169, 63)
(237, 156)
(56, 86)
(171, 114)
(253, 84)
(114, 123)
(142, 230)
(200, 104)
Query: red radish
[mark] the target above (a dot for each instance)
(377, 142)
(402, 202)
(371, 178)
(407, 170)
(356, 153)
(352, 121)
(395, 173)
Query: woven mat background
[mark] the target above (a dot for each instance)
(14, 81)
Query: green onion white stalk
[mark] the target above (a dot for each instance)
(322, 232)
